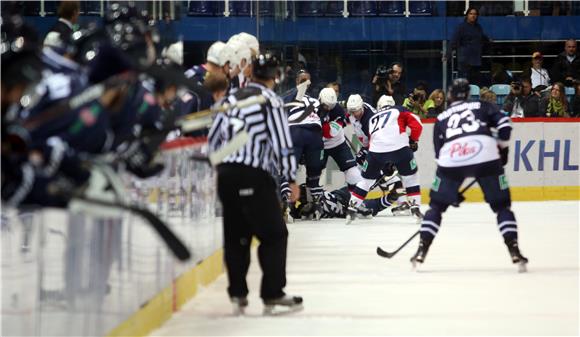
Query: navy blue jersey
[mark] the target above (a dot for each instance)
(462, 135)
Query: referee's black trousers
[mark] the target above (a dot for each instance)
(251, 207)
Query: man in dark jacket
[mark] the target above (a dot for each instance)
(566, 69)
(68, 15)
(468, 40)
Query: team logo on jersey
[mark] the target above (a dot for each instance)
(462, 151)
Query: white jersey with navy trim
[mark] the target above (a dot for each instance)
(462, 134)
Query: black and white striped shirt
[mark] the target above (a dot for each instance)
(270, 144)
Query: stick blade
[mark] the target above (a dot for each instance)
(383, 253)
(173, 242)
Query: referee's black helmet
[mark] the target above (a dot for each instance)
(265, 66)
(459, 90)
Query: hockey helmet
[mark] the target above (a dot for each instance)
(241, 52)
(354, 103)
(220, 53)
(458, 91)
(265, 66)
(249, 40)
(385, 101)
(327, 97)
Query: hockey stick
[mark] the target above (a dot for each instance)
(389, 255)
(173, 242)
(204, 118)
(216, 157)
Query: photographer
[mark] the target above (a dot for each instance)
(514, 102)
(415, 102)
(387, 82)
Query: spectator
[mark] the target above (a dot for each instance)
(567, 66)
(387, 81)
(487, 95)
(538, 75)
(531, 100)
(336, 87)
(468, 40)
(514, 101)
(575, 110)
(416, 102)
(435, 104)
(68, 15)
(556, 104)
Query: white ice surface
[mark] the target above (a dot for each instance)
(467, 285)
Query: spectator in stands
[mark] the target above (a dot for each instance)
(538, 75)
(514, 101)
(531, 100)
(575, 106)
(556, 104)
(336, 87)
(435, 104)
(567, 66)
(468, 40)
(387, 81)
(415, 102)
(487, 95)
(68, 15)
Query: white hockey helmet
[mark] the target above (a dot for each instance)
(220, 53)
(385, 101)
(354, 103)
(249, 40)
(241, 52)
(174, 53)
(327, 97)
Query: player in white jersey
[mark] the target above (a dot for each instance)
(386, 131)
(335, 146)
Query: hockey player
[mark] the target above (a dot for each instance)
(465, 147)
(219, 57)
(306, 131)
(240, 64)
(388, 142)
(334, 204)
(335, 146)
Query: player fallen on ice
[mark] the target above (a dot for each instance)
(465, 147)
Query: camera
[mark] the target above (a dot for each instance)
(382, 72)
(517, 86)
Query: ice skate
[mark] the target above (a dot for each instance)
(282, 305)
(239, 305)
(421, 253)
(517, 257)
(402, 209)
(350, 215)
(416, 212)
(363, 212)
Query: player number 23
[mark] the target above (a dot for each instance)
(457, 124)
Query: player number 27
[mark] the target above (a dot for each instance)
(379, 120)
(457, 124)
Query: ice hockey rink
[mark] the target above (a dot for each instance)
(467, 285)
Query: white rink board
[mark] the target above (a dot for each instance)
(467, 286)
(540, 154)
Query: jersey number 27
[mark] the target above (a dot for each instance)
(459, 123)
(379, 120)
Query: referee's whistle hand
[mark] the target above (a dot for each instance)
(295, 192)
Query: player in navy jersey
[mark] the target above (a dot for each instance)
(465, 147)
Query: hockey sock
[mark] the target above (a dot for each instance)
(413, 188)
(430, 224)
(360, 191)
(312, 184)
(506, 223)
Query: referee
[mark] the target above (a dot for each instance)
(248, 192)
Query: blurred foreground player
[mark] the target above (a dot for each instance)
(465, 147)
(248, 191)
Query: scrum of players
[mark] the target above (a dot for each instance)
(104, 96)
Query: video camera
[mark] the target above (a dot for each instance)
(516, 85)
(382, 73)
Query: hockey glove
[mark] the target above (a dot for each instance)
(413, 145)
(361, 156)
(503, 153)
